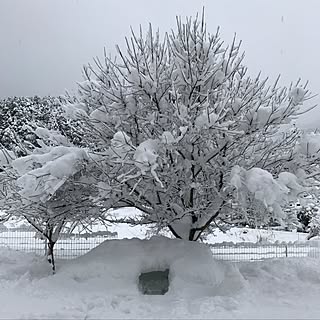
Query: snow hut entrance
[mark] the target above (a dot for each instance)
(154, 282)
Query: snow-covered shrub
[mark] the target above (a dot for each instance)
(51, 194)
(49, 187)
(186, 136)
(39, 164)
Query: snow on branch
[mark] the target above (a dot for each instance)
(273, 193)
(41, 175)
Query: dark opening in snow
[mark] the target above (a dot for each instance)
(154, 282)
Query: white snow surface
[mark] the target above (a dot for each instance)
(103, 284)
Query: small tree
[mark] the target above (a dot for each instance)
(49, 203)
(185, 135)
(32, 127)
(48, 188)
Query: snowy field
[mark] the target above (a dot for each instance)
(103, 284)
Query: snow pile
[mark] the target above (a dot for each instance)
(103, 284)
(120, 262)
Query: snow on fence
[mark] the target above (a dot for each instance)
(77, 245)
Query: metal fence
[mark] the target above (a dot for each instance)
(65, 248)
(256, 251)
(77, 245)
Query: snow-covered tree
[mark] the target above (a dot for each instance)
(186, 136)
(37, 144)
(175, 128)
(32, 131)
(46, 187)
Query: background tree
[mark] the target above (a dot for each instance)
(20, 116)
(305, 216)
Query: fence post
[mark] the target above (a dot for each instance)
(286, 251)
(45, 247)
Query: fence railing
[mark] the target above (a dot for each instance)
(77, 245)
(65, 248)
(257, 251)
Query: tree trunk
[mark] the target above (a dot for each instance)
(188, 232)
(192, 234)
(50, 255)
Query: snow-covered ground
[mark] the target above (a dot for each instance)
(103, 284)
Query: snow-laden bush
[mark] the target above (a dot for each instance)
(39, 163)
(48, 187)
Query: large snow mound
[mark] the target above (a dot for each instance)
(192, 269)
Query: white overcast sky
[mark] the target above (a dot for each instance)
(45, 43)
